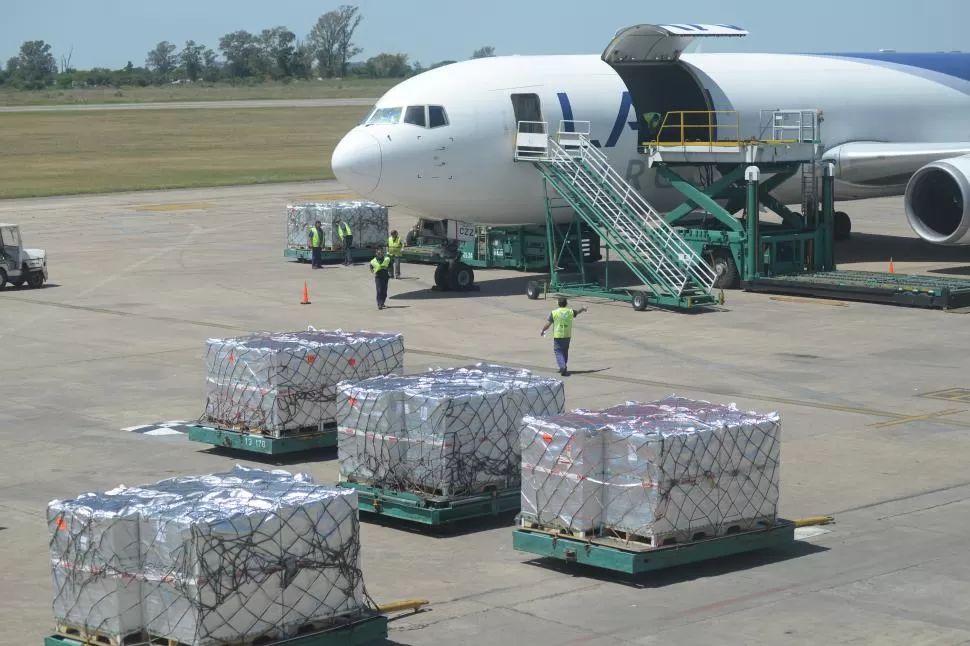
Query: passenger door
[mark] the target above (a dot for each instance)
(526, 107)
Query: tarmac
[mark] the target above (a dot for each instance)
(138, 282)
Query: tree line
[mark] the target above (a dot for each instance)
(274, 54)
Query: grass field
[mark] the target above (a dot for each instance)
(63, 153)
(329, 89)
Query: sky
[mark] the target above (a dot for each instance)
(109, 33)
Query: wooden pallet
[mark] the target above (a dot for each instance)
(99, 638)
(268, 639)
(632, 541)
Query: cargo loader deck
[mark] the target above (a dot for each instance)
(873, 287)
(636, 558)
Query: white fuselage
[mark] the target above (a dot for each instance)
(465, 169)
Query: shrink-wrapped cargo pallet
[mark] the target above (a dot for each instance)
(209, 560)
(284, 383)
(448, 432)
(669, 469)
(367, 221)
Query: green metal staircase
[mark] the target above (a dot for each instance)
(670, 271)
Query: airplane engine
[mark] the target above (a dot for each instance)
(937, 201)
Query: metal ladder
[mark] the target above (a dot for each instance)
(638, 233)
(801, 126)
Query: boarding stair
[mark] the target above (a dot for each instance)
(670, 271)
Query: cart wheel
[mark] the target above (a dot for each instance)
(532, 290)
(639, 301)
(722, 262)
(3, 278)
(35, 280)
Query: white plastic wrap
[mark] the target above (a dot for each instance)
(448, 432)
(286, 382)
(670, 469)
(367, 221)
(222, 558)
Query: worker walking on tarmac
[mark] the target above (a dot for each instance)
(347, 240)
(561, 320)
(378, 267)
(394, 250)
(316, 239)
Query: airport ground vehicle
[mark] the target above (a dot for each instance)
(17, 264)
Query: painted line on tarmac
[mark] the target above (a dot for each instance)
(857, 410)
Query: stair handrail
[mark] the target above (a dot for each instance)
(659, 264)
(703, 273)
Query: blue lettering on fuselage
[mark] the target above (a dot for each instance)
(626, 103)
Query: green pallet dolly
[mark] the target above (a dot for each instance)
(433, 510)
(368, 629)
(629, 558)
(258, 443)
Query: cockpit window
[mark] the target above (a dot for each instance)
(385, 116)
(437, 116)
(415, 115)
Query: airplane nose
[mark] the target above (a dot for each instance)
(356, 161)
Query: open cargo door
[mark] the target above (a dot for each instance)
(647, 59)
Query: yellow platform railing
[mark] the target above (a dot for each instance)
(702, 128)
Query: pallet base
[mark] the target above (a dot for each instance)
(433, 510)
(631, 559)
(370, 629)
(300, 254)
(264, 444)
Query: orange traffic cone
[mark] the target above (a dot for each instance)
(306, 295)
(892, 270)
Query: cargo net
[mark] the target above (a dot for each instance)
(446, 432)
(658, 473)
(286, 383)
(217, 559)
(367, 222)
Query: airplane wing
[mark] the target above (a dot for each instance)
(873, 162)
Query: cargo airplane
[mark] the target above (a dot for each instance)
(893, 123)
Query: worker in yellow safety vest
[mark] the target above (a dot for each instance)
(561, 320)
(378, 267)
(394, 250)
(316, 240)
(347, 240)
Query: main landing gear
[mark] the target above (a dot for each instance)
(842, 224)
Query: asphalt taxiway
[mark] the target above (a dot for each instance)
(874, 400)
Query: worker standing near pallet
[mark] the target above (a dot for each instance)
(378, 267)
(394, 249)
(561, 320)
(316, 239)
(347, 240)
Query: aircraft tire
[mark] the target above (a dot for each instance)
(461, 277)
(842, 224)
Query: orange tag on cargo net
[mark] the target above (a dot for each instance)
(352, 362)
(547, 438)
(310, 358)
